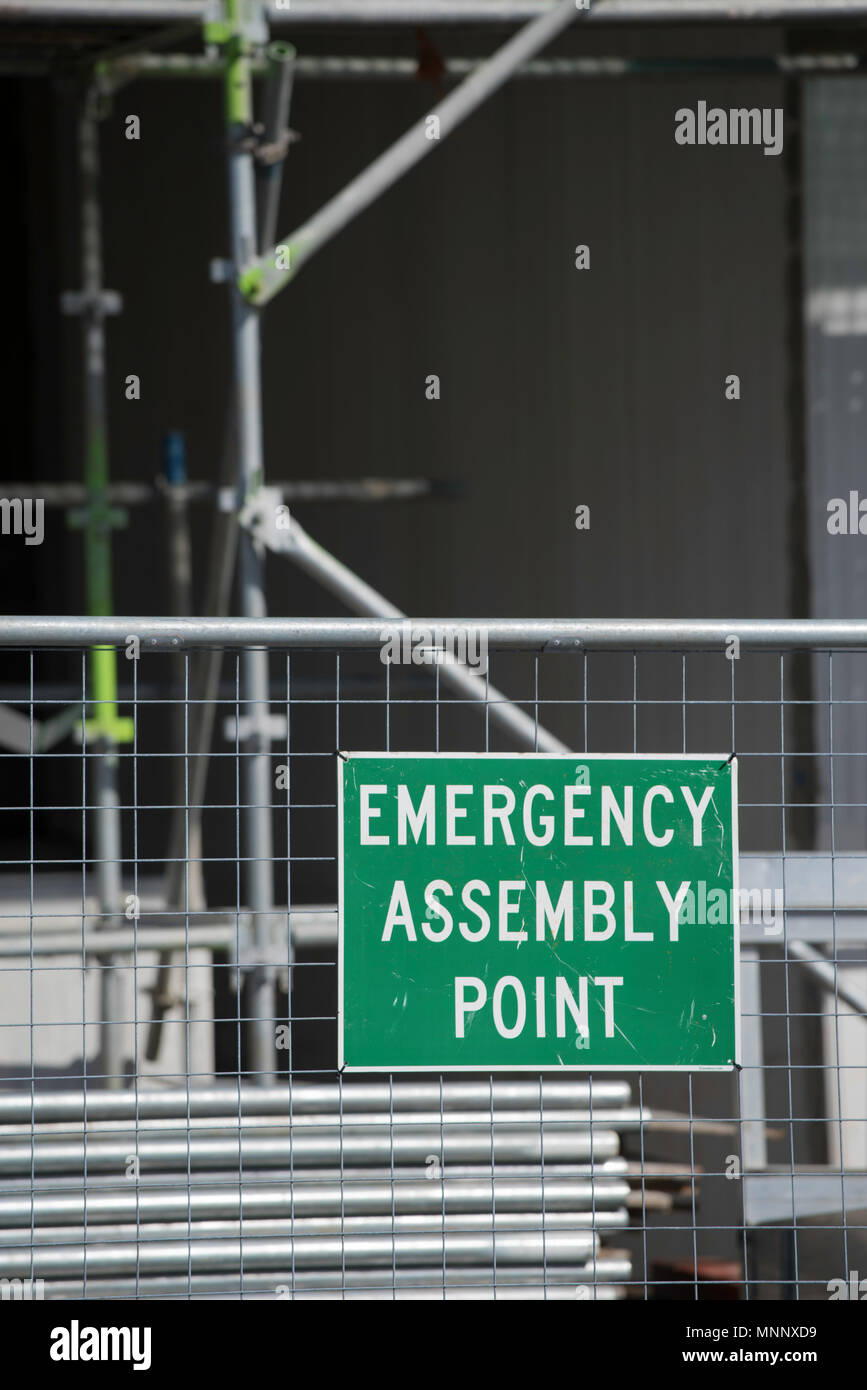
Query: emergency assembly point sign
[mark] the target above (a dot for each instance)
(499, 912)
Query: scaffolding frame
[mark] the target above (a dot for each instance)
(240, 38)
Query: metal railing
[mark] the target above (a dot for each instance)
(186, 1168)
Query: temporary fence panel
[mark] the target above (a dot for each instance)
(150, 1154)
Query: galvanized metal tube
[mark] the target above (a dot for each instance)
(752, 1101)
(603, 1171)
(303, 12)
(218, 929)
(108, 849)
(109, 11)
(203, 679)
(120, 941)
(515, 1282)
(829, 976)
(315, 13)
(552, 1289)
(41, 1208)
(512, 1285)
(256, 777)
(298, 490)
(280, 74)
(262, 279)
(184, 880)
(274, 1126)
(184, 877)
(345, 67)
(549, 635)
(317, 1252)
(303, 1229)
(303, 1098)
(103, 725)
(361, 1146)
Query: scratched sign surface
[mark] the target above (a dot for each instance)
(530, 911)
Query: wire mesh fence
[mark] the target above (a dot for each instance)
(172, 1120)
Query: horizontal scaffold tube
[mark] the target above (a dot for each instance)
(319, 13)
(257, 1199)
(371, 1145)
(320, 1252)
(203, 1126)
(464, 1282)
(307, 1228)
(516, 634)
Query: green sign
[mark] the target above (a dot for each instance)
(534, 911)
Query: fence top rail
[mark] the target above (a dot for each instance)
(540, 634)
(367, 12)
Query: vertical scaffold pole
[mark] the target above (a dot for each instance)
(103, 730)
(256, 780)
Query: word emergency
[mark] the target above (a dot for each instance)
(541, 816)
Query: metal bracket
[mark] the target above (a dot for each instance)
(271, 152)
(270, 956)
(563, 644)
(272, 726)
(112, 728)
(261, 515)
(253, 957)
(99, 516)
(247, 139)
(266, 152)
(251, 27)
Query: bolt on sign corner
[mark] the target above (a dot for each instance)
(533, 911)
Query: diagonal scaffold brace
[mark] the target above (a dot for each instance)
(263, 277)
(294, 543)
